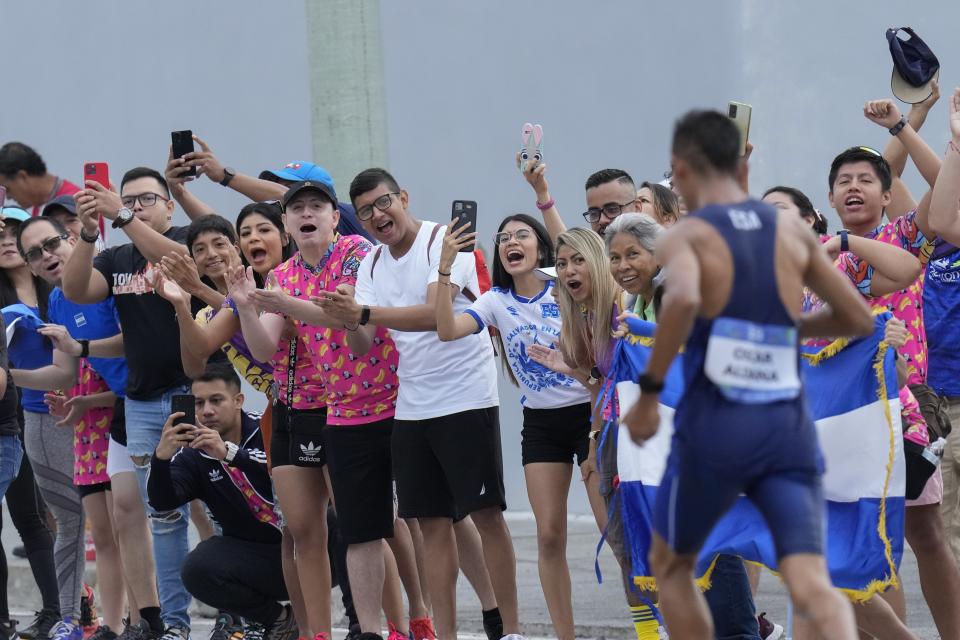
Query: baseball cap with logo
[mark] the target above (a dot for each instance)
(60, 202)
(299, 171)
(914, 66)
(296, 188)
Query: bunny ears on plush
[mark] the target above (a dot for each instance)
(531, 133)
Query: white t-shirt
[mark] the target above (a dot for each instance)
(523, 322)
(436, 378)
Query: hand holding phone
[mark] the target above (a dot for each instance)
(531, 146)
(182, 143)
(465, 211)
(740, 113)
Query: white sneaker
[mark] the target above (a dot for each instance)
(513, 636)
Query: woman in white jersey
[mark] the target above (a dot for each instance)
(556, 407)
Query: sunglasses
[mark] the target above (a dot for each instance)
(49, 245)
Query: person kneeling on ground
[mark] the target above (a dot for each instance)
(221, 461)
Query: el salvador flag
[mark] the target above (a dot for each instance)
(851, 389)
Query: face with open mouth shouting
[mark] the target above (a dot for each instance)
(858, 195)
(310, 219)
(573, 273)
(212, 252)
(387, 211)
(261, 243)
(518, 247)
(47, 251)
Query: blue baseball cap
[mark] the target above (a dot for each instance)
(914, 66)
(299, 171)
(15, 213)
(60, 202)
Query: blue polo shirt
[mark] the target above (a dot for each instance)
(27, 350)
(92, 322)
(941, 315)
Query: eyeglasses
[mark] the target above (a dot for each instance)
(506, 236)
(49, 245)
(382, 203)
(611, 211)
(146, 200)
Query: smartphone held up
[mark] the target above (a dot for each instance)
(181, 142)
(97, 172)
(740, 113)
(465, 211)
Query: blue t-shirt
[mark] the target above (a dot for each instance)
(941, 312)
(27, 350)
(92, 322)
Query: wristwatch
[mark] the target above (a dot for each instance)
(92, 239)
(124, 217)
(844, 240)
(228, 175)
(897, 128)
(648, 384)
(364, 315)
(231, 452)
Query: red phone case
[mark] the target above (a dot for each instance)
(98, 172)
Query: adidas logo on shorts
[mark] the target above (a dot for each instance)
(308, 452)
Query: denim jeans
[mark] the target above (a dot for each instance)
(11, 453)
(145, 420)
(730, 601)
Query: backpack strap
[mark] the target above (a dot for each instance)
(376, 256)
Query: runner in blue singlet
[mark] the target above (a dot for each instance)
(735, 273)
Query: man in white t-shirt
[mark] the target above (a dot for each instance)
(446, 438)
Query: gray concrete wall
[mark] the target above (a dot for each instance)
(108, 80)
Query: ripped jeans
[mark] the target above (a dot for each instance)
(145, 420)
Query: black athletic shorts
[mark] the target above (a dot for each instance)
(359, 462)
(118, 426)
(449, 466)
(556, 435)
(90, 489)
(297, 437)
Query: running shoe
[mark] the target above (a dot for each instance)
(88, 611)
(39, 629)
(353, 633)
(226, 628)
(67, 629)
(8, 630)
(139, 631)
(175, 632)
(769, 630)
(285, 627)
(103, 632)
(254, 630)
(513, 636)
(394, 634)
(422, 629)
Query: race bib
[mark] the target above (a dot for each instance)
(753, 363)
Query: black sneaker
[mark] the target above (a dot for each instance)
(39, 629)
(254, 631)
(284, 627)
(353, 633)
(103, 632)
(139, 631)
(226, 628)
(8, 630)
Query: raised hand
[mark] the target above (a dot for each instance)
(271, 298)
(173, 437)
(175, 174)
(205, 161)
(454, 240)
(882, 112)
(61, 339)
(536, 176)
(181, 269)
(241, 285)
(168, 289)
(87, 212)
(954, 107)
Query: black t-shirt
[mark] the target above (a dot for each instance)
(9, 405)
(151, 337)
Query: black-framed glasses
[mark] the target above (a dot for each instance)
(49, 245)
(382, 203)
(506, 236)
(611, 210)
(146, 200)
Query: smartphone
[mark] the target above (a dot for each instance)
(182, 143)
(466, 210)
(98, 172)
(740, 114)
(186, 404)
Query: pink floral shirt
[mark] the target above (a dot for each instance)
(360, 389)
(91, 435)
(308, 390)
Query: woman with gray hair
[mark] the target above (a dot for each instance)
(631, 239)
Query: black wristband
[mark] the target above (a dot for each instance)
(365, 315)
(844, 240)
(84, 348)
(91, 239)
(648, 384)
(441, 273)
(897, 128)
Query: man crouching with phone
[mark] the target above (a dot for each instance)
(221, 461)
